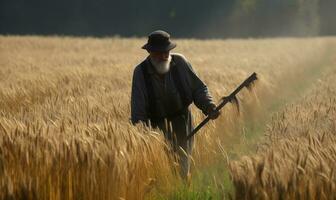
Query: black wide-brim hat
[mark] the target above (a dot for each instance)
(159, 41)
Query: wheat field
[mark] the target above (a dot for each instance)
(297, 158)
(65, 130)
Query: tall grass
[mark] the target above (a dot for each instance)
(64, 112)
(298, 156)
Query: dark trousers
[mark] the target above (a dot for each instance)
(176, 130)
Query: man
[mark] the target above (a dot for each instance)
(163, 87)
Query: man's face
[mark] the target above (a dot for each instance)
(159, 56)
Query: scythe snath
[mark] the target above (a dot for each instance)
(231, 98)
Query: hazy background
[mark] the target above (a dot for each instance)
(188, 18)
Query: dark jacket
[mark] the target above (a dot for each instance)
(195, 90)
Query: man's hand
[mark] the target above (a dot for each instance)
(212, 113)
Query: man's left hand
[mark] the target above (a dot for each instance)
(212, 112)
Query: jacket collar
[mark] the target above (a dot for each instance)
(150, 67)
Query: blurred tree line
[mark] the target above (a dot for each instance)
(188, 18)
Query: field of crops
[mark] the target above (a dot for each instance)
(297, 159)
(65, 130)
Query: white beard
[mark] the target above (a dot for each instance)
(161, 67)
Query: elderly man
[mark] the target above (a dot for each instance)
(163, 87)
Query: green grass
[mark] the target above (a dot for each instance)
(208, 183)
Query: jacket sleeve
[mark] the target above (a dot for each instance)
(200, 94)
(138, 100)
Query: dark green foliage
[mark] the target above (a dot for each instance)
(188, 18)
